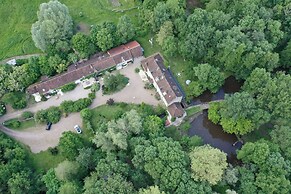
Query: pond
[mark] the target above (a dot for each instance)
(213, 135)
(231, 85)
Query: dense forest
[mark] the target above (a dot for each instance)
(133, 152)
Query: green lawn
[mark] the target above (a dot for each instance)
(17, 17)
(45, 160)
(193, 110)
(23, 125)
(177, 64)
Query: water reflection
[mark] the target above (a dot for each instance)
(213, 135)
(231, 85)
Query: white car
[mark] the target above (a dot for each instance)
(78, 129)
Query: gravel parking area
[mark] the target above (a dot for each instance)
(38, 139)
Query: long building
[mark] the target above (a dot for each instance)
(166, 86)
(117, 57)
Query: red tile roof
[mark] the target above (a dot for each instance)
(176, 110)
(162, 76)
(116, 55)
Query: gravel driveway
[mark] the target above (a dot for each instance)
(38, 139)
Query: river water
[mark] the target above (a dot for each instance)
(211, 133)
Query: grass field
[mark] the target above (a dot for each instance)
(23, 125)
(45, 160)
(17, 17)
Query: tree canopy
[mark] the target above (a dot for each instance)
(54, 24)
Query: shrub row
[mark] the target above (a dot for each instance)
(52, 114)
(70, 106)
(68, 87)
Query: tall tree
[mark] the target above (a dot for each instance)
(205, 168)
(83, 45)
(208, 77)
(51, 182)
(54, 24)
(125, 29)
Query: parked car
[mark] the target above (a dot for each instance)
(48, 126)
(78, 129)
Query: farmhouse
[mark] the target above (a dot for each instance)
(166, 86)
(115, 58)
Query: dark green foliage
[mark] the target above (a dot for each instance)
(69, 106)
(69, 145)
(189, 143)
(17, 175)
(52, 114)
(114, 83)
(281, 136)
(68, 87)
(27, 115)
(51, 182)
(165, 161)
(16, 99)
(208, 77)
(267, 171)
(83, 45)
(12, 123)
(125, 29)
(95, 87)
(92, 95)
(70, 187)
(86, 114)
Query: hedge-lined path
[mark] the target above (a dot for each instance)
(38, 139)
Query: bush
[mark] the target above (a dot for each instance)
(40, 116)
(95, 87)
(16, 99)
(185, 126)
(81, 104)
(92, 95)
(86, 113)
(27, 115)
(54, 151)
(67, 106)
(53, 114)
(110, 102)
(2, 109)
(136, 70)
(12, 123)
(114, 83)
(148, 86)
(68, 87)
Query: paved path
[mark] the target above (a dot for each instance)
(21, 57)
(38, 139)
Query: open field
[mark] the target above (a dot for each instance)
(19, 15)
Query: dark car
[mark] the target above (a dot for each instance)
(48, 126)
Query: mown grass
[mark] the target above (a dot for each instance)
(26, 124)
(17, 17)
(193, 110)
(44, 160)
(110, 112)
(23, 124)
